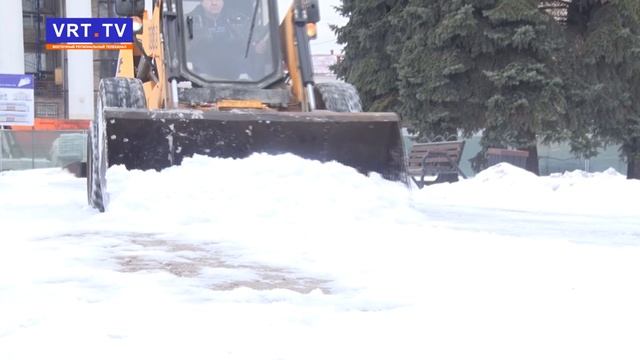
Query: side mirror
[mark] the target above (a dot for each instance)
(129, 8)
(313, 10)
(310, 8)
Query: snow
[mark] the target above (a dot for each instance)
(573, 192)
(278, 257)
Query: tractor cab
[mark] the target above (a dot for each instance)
(224, 49)
(232, 41)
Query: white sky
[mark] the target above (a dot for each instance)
(326, 40)
(282, 258)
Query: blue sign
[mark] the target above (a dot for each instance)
(89, 30)
(16, 99)
(10, 81)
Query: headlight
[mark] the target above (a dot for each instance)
(312, 30)
(137, 25)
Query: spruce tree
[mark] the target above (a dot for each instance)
(366, 63)
(520, 71)
(602, 66)
(482, 65)
(441, 89)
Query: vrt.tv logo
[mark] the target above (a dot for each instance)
(89, 33)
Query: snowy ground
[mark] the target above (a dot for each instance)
(282, 258)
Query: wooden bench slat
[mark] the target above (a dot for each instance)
(507, 152)
(439, 158)
(434, 153)
(422, 153)
(424, 150)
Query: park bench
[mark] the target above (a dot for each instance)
(435, 159)
(514, 157)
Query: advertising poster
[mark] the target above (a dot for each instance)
(16, 100)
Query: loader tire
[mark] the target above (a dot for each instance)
(112, 92)
(338, 97)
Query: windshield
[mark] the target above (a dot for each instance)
(222, 45)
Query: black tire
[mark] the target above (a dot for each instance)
(112, 92)
(338, 97)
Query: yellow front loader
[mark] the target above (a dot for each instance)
(193, 86)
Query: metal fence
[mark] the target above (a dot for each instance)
(557, 158)
(22, 150)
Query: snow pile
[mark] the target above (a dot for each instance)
(509, 187)
(258, 187)
(284, 258)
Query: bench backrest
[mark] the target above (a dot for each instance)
(513, 157)
(435, 156)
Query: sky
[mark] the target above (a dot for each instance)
(278, 257)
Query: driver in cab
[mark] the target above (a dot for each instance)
(221, 34)
(208, 18)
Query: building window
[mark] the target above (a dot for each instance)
(47, 110)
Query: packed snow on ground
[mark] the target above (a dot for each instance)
(276, 257)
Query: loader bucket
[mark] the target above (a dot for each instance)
(144, 139)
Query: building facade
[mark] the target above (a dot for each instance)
(65, 81)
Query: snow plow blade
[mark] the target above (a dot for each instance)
(143, 139)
